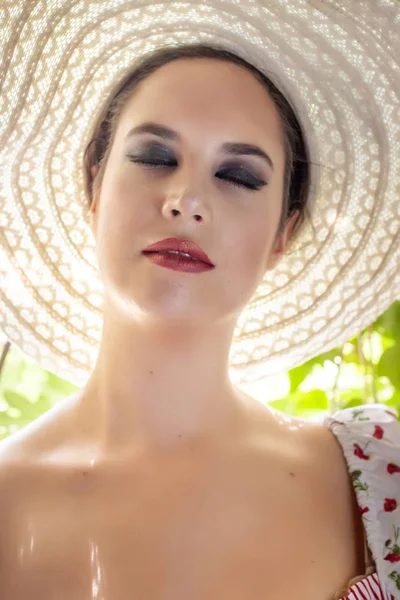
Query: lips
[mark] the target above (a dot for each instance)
(177, 262)
(176, 245)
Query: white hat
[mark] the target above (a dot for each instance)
(337, 63)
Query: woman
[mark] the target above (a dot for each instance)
(161, 478)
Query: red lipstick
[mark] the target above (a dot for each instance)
(177, 262)
(186, 247)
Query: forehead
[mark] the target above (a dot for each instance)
(208, 95)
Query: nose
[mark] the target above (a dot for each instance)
(175, 212)
(183, 204)
(185, 196)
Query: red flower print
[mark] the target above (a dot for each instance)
(390, 504)
(393, 557)
(378, 433)
(358, 452)
(392, 468)
(364, 510)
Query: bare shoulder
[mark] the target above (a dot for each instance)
(23, 455)
(19, 452)
(332, 477)
(327, 454)
(27, 445)
(318, 462)
(316, 486)
(325, 457)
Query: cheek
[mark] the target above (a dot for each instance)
(248, 255)
(124, 218)
(245, 253)
(115, 232)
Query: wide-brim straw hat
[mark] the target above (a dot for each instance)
(338, 64)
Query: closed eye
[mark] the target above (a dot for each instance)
(249, 180)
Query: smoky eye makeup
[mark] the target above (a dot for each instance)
(155, 156)
(151, 153)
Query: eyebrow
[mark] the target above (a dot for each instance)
(236, 148)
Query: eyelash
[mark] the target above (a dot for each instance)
(154, 164)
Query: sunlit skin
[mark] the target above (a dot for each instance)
(161, 377)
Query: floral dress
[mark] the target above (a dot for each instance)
(370, 438)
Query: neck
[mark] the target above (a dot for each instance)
(160, 387)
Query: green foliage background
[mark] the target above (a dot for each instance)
(373, 356)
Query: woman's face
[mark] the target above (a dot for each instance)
(207, 103)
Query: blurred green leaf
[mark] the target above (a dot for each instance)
(29, 410)
(314, 400)
(388, 324)
(389, 365)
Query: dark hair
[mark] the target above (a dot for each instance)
(297, 162)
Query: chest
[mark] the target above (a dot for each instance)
(199, 536)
